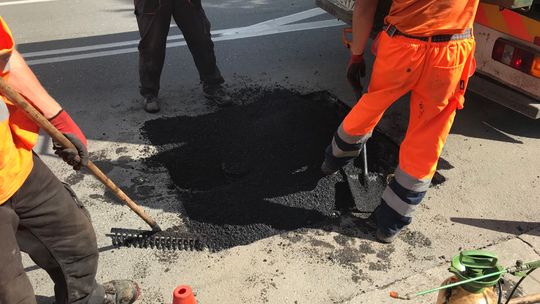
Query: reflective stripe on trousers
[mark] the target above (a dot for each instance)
(399, 200)
(344, 147)
(404, 193)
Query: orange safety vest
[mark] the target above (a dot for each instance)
(432, 17)
(18, 134)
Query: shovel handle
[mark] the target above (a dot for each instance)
(46, 125)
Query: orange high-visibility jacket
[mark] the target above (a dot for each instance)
(432, 17)
(18, 134)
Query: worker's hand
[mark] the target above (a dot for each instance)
(355, 71)
(78, 157)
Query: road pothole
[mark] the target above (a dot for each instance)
(252, 171)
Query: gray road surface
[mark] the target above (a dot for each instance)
(84, 53)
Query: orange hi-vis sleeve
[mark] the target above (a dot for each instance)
(436, 74)
(17, 133)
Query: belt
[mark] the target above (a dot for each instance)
(392, 31)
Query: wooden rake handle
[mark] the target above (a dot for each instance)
(41, 121)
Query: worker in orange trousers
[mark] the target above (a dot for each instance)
(427, 50)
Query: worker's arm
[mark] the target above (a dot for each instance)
(363, 14)
(23, 80)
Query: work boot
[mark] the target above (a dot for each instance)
(151, 104)
(371, 222)
(121, 292)
(217, 94)
(331, 163)
(384, 237)
(327, 169)
(381, 236)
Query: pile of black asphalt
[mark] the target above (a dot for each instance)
(252, 171)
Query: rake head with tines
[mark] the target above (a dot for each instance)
(154, 240)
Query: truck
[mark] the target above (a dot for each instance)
(507, 53)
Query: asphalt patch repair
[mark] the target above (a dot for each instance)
(251, 171)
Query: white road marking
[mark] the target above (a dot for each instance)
(273, 23)
(291, 18)
(270, 27)
(24, 2)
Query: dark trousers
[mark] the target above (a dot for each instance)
(44, 219)
(154, 19)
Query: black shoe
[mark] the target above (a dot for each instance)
(371, 222)
(121, 292)
(217, 94)
(384, 237)
(381, 236)
(151, 104)
(327, 169)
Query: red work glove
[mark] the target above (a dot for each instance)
(356, 70)
(76, 158)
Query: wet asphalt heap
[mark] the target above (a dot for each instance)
(252, 171)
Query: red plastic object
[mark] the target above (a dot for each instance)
(515, 55)
(183, 295)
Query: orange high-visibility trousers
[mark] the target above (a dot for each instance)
(436, 74)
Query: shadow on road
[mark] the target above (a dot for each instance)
(102, 249)
(482, 118)
(513, 227)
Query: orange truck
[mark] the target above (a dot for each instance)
(507, 53)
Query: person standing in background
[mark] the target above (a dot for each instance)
(153, 20)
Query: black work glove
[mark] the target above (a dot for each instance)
(356, 70)
(77, 158)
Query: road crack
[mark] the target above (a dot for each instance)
(530, 245)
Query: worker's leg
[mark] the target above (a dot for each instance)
(56, 232)
(192, 21)
(434, 101)
(419, 153)
(14, 284)
(397, 68)
(153, 19)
